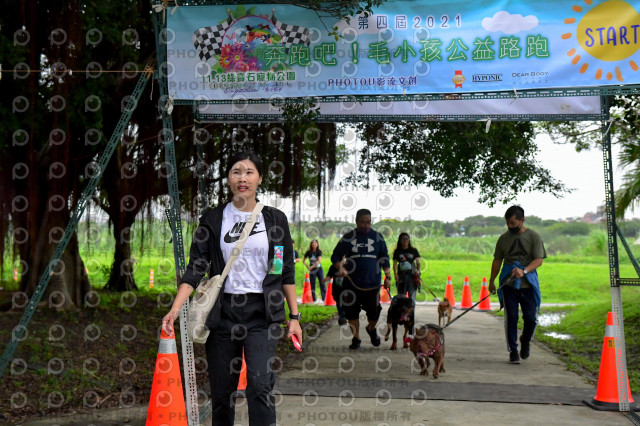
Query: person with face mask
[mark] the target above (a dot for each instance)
(519, 252)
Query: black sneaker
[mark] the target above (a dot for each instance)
(524, 349)
(342, 321)
(514, 358)
(375, 340)
(355, 343)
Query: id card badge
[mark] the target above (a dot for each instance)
(278, 254)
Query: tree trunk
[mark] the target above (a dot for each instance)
(69, 283)
(121, 277)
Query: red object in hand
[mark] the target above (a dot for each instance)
(296, 343)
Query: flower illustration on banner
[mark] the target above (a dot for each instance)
(607, 35)
(245, 41)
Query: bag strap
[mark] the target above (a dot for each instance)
(242, 240)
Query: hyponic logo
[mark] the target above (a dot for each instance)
(486, 78)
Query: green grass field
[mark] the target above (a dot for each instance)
(576, 272)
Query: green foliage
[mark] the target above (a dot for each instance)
(500, 165)
(569, 228)
(586, 322)
(630, 228)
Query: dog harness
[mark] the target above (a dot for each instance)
(433, 351)
(440, 342)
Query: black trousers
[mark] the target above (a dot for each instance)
(524, 298)
(243, 325)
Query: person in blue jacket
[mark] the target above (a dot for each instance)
(365, 256)
(522, 252)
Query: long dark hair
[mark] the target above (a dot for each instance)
(403, 234)
(310, 248)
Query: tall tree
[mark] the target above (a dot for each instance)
(444, 156)
(42, 131)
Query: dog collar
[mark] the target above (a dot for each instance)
(433, 351)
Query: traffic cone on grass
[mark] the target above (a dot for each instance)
(306, 291)
(151, 278)
(448, 292)
(485, 305)
(465, 302)
(607, 398)
(328, 299)
(166, 405)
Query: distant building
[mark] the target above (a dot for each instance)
(597, 217)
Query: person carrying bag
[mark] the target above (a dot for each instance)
(207, 294)
(245, 319)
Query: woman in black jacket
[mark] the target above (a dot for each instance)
(250, 308)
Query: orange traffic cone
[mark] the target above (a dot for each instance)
(151, 278)
(384, 294)
(328, 298)
(465, 302)
(485, 305)
(448, 292)
(15, 274)
(606, 398)
(306, 291)
(166, 405)
(242, 383)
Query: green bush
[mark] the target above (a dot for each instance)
(569, 228)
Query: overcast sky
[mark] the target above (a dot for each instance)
(582, 171)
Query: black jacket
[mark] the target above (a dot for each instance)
(205, 256)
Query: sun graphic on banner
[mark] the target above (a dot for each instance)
(608, 32)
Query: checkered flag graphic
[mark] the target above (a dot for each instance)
(208, 40)
(291, 34)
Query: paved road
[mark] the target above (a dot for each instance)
(332, 385)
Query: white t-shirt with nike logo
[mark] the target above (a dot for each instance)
(250, 267)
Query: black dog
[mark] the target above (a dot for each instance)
(400, 313)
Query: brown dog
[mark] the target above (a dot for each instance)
(428, 342)
(400, 313)
(444, 310)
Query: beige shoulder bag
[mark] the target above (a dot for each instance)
(207, 294)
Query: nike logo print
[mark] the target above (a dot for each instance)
(233, 234)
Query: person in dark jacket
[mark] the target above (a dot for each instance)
(365, 253)
(250, 308)
(314, 254)
(406, 263)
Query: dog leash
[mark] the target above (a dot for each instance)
(425, 286)
(479, 301)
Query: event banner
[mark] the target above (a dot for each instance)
(554, 108)
(258, 51)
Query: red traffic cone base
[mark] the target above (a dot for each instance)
(384, 295)
(166, 405)
(465, 302)
(306, 291)
(328, 299)
(606, 398)
(448, 292)
(485, 304)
